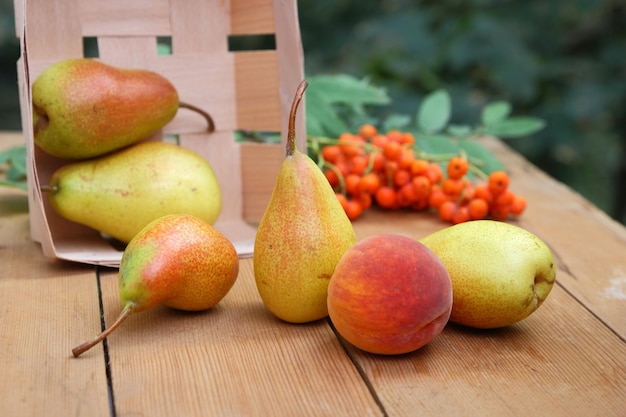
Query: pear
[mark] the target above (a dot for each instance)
(302, 234)
(178, 261)
(120, 193)
(501, 273)
(84, 108)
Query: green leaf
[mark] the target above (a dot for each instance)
(436, 144)
(396, 121)
(343, 88)
(459, 130)
(515, 127)
(333, 100)
(321, 118)
(481, 156)
(495, 112)
(434, 113)
(15, 161)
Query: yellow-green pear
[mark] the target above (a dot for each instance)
(178, 261)
(84, 108)
(302, 235)
(501, 273)
(120, 193)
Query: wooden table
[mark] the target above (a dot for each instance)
(567, 359)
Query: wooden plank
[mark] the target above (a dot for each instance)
(258, 102)
(249, 17)
(124, 18)
(46, 308)
(236, 359)
(544, 365)
(259, 167)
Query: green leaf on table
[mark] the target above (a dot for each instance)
(13, 167)
(515, 127)
(434, 113)
(495, 112)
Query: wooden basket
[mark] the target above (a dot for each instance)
(242, 90)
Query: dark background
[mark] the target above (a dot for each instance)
(563, 61)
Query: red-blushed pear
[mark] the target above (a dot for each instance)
(178, 261)
(389, 294)
(84, 108)
(120, 193)
(302, 234)
(501, 273)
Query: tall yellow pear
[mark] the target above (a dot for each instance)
(301, 237)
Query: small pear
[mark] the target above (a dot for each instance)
(84, 108)
(178, 261)
(120, 193)
(302, 235)
(501, 273)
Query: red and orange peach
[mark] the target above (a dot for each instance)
(389, 294)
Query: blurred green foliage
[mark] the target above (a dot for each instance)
(560, 61)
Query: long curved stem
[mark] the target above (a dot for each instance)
(126, 311)
(291, 132)
(207, 116)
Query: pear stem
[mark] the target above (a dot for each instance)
(49, 188)
(291, 131)
(126, 311)
(207, 116)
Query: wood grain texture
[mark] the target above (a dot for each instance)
(45, 308)
(235, 359)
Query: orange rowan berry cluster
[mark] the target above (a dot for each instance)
(372, 168)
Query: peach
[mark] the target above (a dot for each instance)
(389, 294)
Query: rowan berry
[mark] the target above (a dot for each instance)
(367, 131)
(332, 177)
(518, 205)
(452, 187)
(369, 183)
(482, 191)
(499, 212)
(434, 173)
(505, 198)
(353, 209)
(498, 182)
(419, 167)
(379, 141)
(378, 164)
(343, 200)
(331, 153)
(437, 198)
(478, 209)
(358, 164)
(446, 210)
(365, 199)
(385, 197)
(392, 150)
(406, 159)
(401, 177)
(353, 182)
(461, 215)
(351, 145)
(457, 167)
(422, 187)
